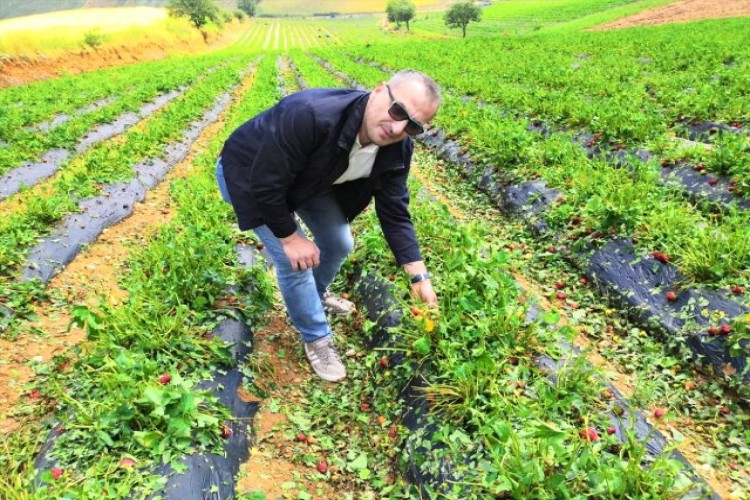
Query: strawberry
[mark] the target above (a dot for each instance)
(699, 167)
(551, 249)
(660, 256)
(732, 466)
(165, 378)
(513, 360)
(226, 431)
(725, 329)
(588, 434)
(671, 296)
(392, 432)
(660, 412)
(583, 281)
(381, 420)
(713, 181)
(364, 407)
(689, 385)
(724, 410)
(611, 429)
(301, 437)
(322, 466)
(416, 312)
(562, 295)
(738, 290)
(383, 362)
(713, 330)
(260, 246)
(559, 285)
(127, 463)
(619, 411)
(35, 394)
(56, 472)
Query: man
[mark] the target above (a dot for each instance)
(323, 154)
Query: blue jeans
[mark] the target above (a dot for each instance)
(303, 290)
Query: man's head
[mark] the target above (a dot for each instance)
(399, 107)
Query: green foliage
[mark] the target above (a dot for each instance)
(94, 38)
(249, 7)
(400, 11)
(200, 12)
(461, 14)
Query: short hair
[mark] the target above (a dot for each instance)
(433, 91)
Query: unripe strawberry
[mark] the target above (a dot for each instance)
(127, 463)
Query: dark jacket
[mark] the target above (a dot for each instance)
(276, 162)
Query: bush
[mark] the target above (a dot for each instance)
(94, 38)
(239, 15)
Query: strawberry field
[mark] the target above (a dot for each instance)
(582, 199)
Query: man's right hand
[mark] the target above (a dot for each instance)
(302, 253)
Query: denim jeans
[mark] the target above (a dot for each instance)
(303, 290)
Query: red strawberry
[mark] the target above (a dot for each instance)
(660, 256)
(559, 285)
(364, 407)
(56, 472)
(660, 412)
(713, 330)
(322, 466)
(671, 296)
(562, 295)
(260, 246)
(301, 437)
(588, 434)
(611, 429)
(383, 362)
(583, 281)
(165, 378)
(724, 410)
(552, 249)
(226, 431)
(127, 463)
(35, 394)
(725, 329)
(513, 360)
(713, 181)
(738, 290)
(732, 466)
(689, 385)
(416, 312)
(699, 167)
(392, 432)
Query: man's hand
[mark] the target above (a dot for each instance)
(302, 253)
(424, 292)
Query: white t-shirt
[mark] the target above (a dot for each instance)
(361, 160)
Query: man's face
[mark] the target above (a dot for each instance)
(379, 127)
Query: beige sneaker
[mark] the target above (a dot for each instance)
(333, 304)
(324, 359)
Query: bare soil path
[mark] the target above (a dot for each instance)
(683, 11)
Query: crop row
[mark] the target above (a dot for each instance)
(626, 86)
(34, 213)
(129, 399)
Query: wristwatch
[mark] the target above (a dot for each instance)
(420, 277)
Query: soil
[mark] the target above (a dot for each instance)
(272, 468)
(683, 11)
(21, 70)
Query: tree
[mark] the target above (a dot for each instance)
(200, 12)
(400, 11)
(461, 14)
(248, 6)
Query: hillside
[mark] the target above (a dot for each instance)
(19, 8)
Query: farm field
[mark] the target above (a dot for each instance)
(582, 199)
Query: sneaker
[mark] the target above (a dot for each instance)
(324, 359)
(333, 304)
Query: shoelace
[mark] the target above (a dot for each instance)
(330, 351)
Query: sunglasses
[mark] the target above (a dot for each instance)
(399, 113)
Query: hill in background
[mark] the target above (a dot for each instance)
(19, 8)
